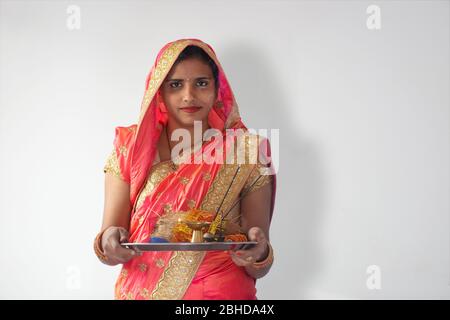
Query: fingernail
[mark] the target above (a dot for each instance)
(133, 253)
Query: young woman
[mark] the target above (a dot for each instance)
(143, 183)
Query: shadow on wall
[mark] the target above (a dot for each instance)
(296, 226)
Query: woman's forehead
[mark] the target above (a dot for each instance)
(189, 69)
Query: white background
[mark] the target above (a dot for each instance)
(364, 136)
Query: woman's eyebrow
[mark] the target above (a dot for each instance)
(199, 78)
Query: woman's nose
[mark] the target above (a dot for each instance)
(188, 94)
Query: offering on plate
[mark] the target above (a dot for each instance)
(195, 226)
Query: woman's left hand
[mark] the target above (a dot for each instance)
(244, 258)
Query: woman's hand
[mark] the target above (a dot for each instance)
(245, 258)
(115, 253)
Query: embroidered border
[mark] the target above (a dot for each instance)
(112, 165)
(178, 275)
(158, 173)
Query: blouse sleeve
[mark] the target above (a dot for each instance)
(112, 165)
(118, 162)
(260, 175)
(256, 180)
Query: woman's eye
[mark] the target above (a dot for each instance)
(202, 83)
(174, 84)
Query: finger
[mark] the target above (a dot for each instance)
(244, 253)
(255, 252)
(243, 257)
(247, 246)
(251, 251)
(239, 261)
(237, 247)
(123, 254)
(124, 257)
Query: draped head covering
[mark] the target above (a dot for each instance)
(223, 115)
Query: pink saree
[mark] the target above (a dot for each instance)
(159, 188)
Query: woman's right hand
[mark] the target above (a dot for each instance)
(111, 239)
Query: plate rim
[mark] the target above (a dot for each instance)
(163, 244)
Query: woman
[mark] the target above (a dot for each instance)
(144, 182)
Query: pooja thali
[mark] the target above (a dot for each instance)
(190, 246)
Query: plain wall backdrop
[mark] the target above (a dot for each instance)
(364, 136)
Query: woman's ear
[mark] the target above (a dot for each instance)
(160, 102)
(218, 101)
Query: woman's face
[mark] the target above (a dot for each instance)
(189, 92)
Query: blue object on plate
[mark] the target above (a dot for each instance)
(158, 240)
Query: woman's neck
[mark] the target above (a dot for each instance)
(194, 133)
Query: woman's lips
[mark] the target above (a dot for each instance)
(190, 109)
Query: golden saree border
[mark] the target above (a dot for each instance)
(158, 74)
(158, 173)
(112, 165)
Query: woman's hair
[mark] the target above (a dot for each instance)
(197, 52)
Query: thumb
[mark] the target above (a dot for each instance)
(123, 235)
(256, 234)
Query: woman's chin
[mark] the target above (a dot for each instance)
(189, 122)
